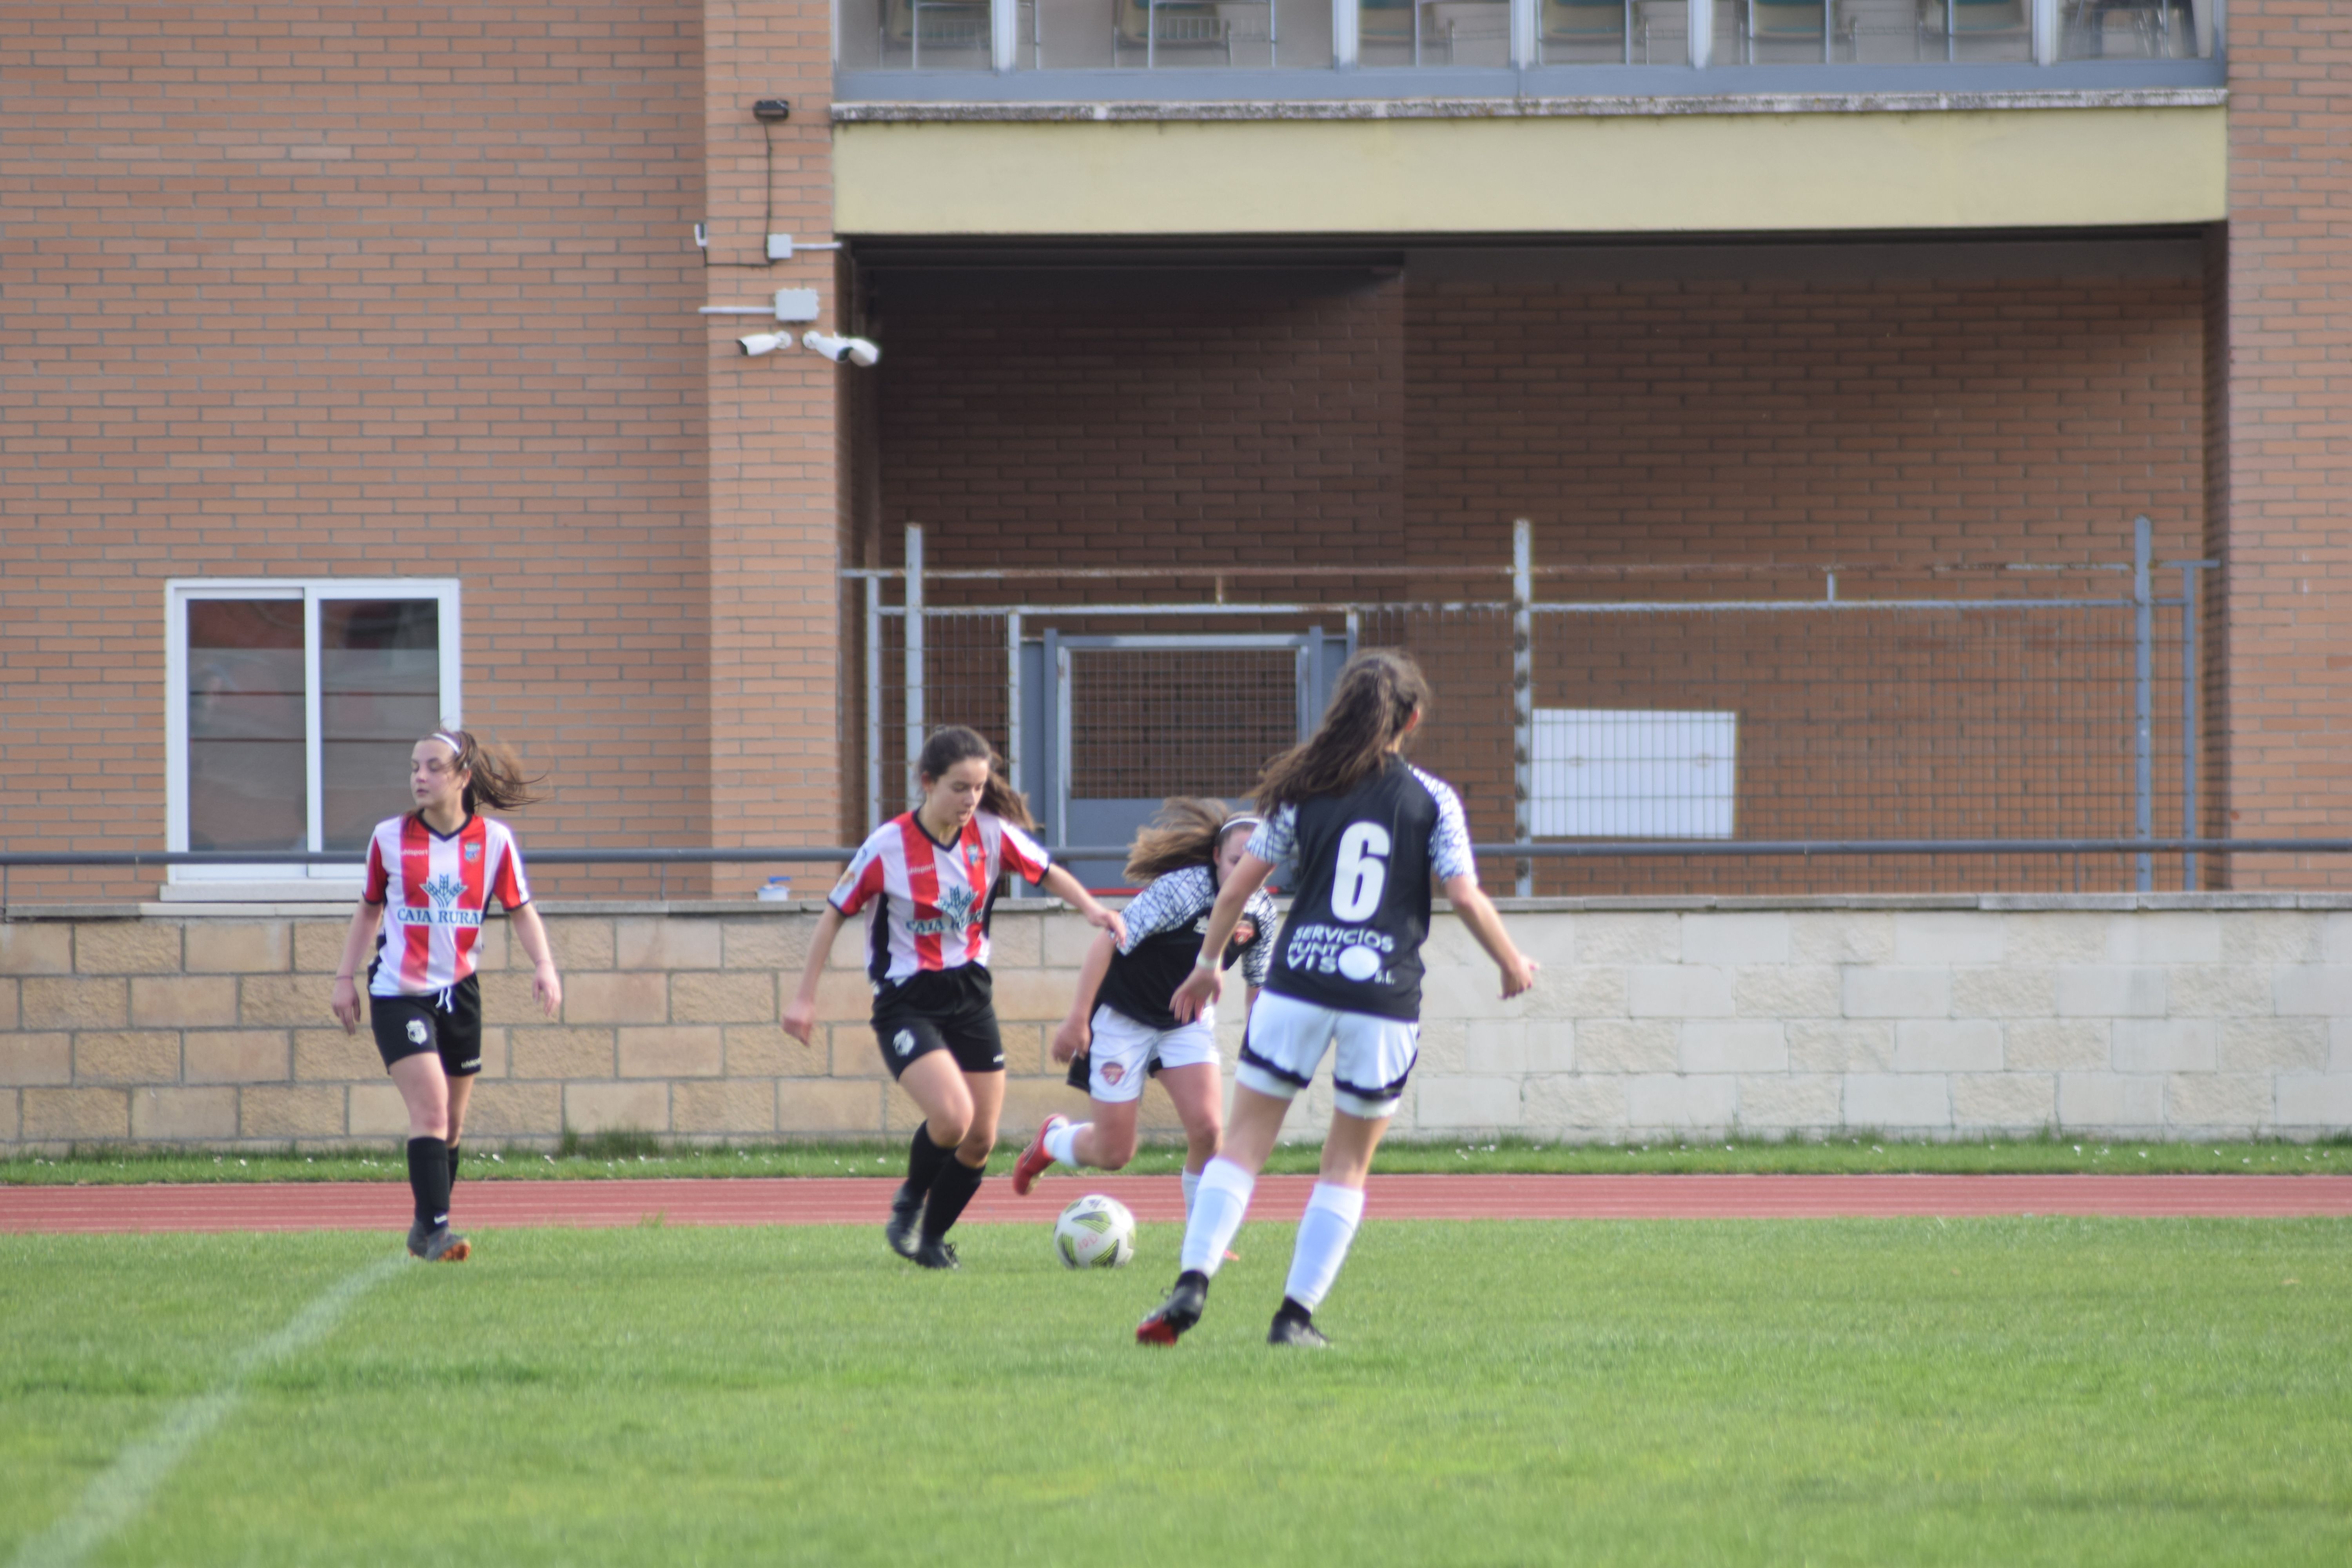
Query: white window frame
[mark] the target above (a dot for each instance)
(313, 592)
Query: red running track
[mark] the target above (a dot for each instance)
(855, 1200)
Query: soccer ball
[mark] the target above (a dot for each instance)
(1096, 1232)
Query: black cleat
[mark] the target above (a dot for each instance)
(1177, 1315)
(935, 1253)
(444, 1245)
(905, 1227)
(1295, 1328)
(419, 1232)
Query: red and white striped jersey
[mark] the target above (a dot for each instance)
(926, 902)
(433, 889)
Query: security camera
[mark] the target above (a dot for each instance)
(842, 351)
(764, 343)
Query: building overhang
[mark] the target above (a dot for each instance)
(1726, 163)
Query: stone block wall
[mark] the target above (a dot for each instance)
(2211, 1015)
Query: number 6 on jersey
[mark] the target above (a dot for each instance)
(1361, 873)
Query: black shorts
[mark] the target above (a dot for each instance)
(412, 1025)
(951, 1010)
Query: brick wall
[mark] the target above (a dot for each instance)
(1938, 1021)
(2289, 421)
(344, 290)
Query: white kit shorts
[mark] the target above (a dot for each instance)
(1286, 1040)
(1123, 1048)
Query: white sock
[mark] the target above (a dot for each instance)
(1062, 1142)
(1192, 1186)
(1324, 1232)
(1219, 1201)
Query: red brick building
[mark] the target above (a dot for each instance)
(379, 326)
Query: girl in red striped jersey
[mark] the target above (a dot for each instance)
(434, 872)
(925, 881)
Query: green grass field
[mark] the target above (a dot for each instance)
(1848, 1392)
(638, 1154)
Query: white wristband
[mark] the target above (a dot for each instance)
(1206, 963)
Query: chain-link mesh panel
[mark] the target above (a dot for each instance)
(1165, 721)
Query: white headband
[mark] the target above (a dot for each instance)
(1244, 820)
(450, 741)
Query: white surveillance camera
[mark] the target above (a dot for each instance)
(842, 351)
(764, 343)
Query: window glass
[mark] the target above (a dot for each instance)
(248, 788)
(379, 691)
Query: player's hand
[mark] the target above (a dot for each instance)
(346, 1004)
(1102, 919)
(1200, 989)
(548, 986)
(1073, 1035)
(800, 1019)
(1518, 975)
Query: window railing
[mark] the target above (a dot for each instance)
(1218, 46)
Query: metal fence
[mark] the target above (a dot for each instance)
(1576, 707)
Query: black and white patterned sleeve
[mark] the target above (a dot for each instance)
(1449, 840)
(1169, 901)
(1257, 958)
(1274, 839)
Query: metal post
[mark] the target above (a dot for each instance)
(1003, 35)
(1012, 695)
(914, 630)
(1700, 32)
(1523, 696)
(1523, 30)
(1344, 35)
(2189, 722)
(873, 701)
(2142, 700)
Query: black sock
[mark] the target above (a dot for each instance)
(923, 1158)
(951, 1189)
(429, 1178)
(1293, 1311)
(452, 1165)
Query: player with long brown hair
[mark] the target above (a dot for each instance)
(926, 881)
(1370, 835)
(432, 873)
(1119, 1031)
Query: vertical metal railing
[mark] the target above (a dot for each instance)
(1523, 697)
(2143, 697)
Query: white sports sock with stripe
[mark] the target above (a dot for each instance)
(1219, 1205)
(1062, 1142)
(1192, 1186)
(1324, 1232)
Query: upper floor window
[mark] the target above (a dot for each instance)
(292, 710)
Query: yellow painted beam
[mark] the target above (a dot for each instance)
(1619, 174)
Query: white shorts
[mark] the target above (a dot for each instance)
(1122, 1048)
(1286, 1040)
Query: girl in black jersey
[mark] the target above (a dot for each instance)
(926, 881)
(1119, 1029)
(1368, 835)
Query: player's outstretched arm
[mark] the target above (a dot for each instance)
(1059, 881)
(1203, 986)
(1471, 904)
(800, 1013)
(1077, 1030)
(356, 941)
(545, 984)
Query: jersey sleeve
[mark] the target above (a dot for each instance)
(1022, 855)
(1274, 839)
(512, 887)
(1257, 958)
(1449, 838)
(1169, 902)
(379, 877)
(862, 880)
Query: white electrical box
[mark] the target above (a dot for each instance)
(796, 304)
(780, 248)
(1602, 774)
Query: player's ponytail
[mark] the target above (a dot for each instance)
(1185, 833)
(956, 743)
(1372, 704)
(498, 780)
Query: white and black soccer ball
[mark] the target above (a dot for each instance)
(1096, 1232)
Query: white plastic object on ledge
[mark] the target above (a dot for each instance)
(775, 890)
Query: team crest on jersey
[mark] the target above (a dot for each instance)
(444, 889)
(473, 854)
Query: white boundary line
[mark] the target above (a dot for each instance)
(117, 1496)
